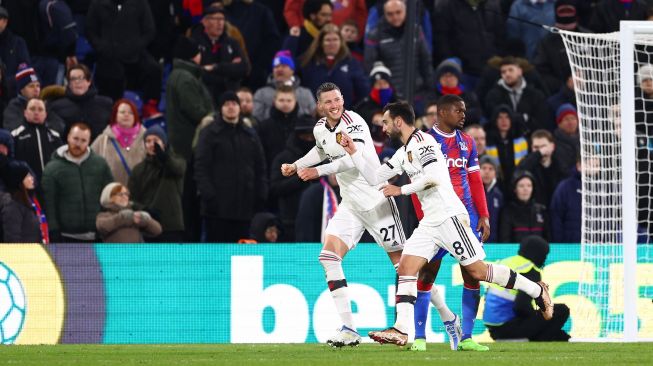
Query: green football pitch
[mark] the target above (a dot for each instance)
(318, 354)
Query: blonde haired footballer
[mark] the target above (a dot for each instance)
(363, 206)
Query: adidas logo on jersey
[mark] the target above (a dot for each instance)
(395, 244)
(463, 258)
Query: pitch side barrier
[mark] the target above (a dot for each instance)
(236, 293)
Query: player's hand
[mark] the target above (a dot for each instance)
(484, 227)
(391, 191)
(347, 143)
(288, 169)
(307, 174)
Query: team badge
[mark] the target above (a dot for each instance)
(410, 156)
(463, 145)
(338, 137)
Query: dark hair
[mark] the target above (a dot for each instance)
(314, 6)
(401, 109)
(509, 60)
(447, 100)
(84, 68)
(326, 87)
(244, 89)
(542, 134)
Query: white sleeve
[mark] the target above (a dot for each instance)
(314, 156)
(372, 176)
(430, 179)
(340, 165)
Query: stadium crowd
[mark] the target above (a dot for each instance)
(169, 120)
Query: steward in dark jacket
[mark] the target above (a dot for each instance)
(230, 173)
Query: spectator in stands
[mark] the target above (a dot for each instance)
(567, 135)
(72, 183)
(187, 98)
(644, 100)
(35, 141)
(82, 102)
(506, 143)
(375, 15)
(381, 93)
(342, 12)
(427, 121)
(57, 42)
(275, 130)
(386, 42)
(317, 205)
(266, 228)
(608, 13)
(470, 32)
(23, 219)
(29, 87)
(246, 98)
(156, 184)
(329, 60)
(229, 201)
(118, 222)
(316, 13)
(287, 191)
(223, 61)
(546, 164)
(510, 314)
(493, 195)
(567, 209)
(538, 12)
(121, 142)
(13, 51)
(6, 153)
(262, 38)
(283, 73)
(477, 132)
(351, 36)
(523, 216)
(526, 101)
(564, 95)
(120, 34)
(447, 81)
(551, 55)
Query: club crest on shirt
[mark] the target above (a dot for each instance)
(463, 145)
(410, 156)
(338, 137)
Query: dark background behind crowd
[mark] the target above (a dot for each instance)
(168, 120)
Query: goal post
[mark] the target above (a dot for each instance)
(615, 134)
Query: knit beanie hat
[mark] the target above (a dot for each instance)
(565, 11)
(645, 72)
(283, 57)
(212, 10)
(105, 197)
(564, 110)
(228, 96)
(451, 65)
(186, 48)
(24, 76)
(157, 131)
(4, 14)
(379, 72)
(16, 172)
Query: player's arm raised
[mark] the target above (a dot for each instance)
(374, 175)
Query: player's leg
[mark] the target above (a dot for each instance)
(464, 246)
(470, 303)
(342, 233)
(419, 247)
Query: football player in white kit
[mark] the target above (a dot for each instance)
(445, 223)
(363, 206)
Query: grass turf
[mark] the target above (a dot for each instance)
(530, 354)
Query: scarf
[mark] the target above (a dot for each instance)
(457, 90)
(43, 221)
(311, 29)
(125, 136)
(381, 96)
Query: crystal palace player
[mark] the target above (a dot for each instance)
(445, 224)
(363, 206)
(460, 153)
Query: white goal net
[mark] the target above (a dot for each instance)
(614, 95)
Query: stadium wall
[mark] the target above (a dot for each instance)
(222, 293)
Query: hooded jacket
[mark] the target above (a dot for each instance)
(526, 101)
(264, 99)
(260, 223)
(520, 219)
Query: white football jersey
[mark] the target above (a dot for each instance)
(439, 201)
(354, 189)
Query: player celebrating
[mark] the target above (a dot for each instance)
(460, 154)
(445, 223)
(363, 206)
